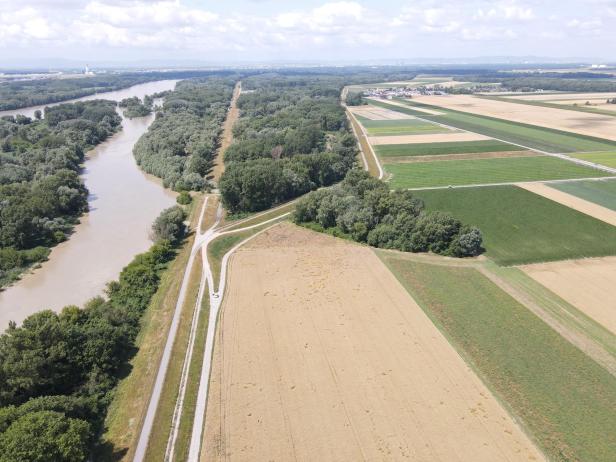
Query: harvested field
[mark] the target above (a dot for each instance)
(589, 124)
(604, 158)
(520, 227)
(467, 156)
(444, 148)
(531, 136)
(431, 138)
(576, 203)
(564, 397)
(562, 96)
(486, 171)
(600, 192)
(587, 284)
(378, 113)
(322, 355)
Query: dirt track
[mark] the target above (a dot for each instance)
(321, 355)
(227, 133)
(587, 284)
(585, 123)
(571, 201)
(431, 138)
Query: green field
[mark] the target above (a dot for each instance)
(522, 227)
(481, 171)
(565, 399)
(543, 139)
(399, 127)
(449, 147)
(599, 192)
(604, 158)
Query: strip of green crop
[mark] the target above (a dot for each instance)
(600, 192)
(449, 147)
(565, 399)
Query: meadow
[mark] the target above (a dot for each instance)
(565, 399)
(432, 149)
(604, 158)
(531, 136)
(599, 192)
(482, 171)
(521, 227)
(399, 127)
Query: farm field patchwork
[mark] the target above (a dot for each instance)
(482, 171)
(399, 127)
(583, 123)
(432, 149)
(604, 158)
(587, 284)
(563, 397)
(535, 137)
(377, 113)
(600, 192)
(310, 363)
(521, 227)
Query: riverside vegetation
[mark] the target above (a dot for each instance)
(363, 208)
(58, 371)
(41, 194)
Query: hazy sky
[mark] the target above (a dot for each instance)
(266, 30)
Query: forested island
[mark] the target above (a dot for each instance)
(292, 137)
(180, 146)
(134, 107)
(41, 194)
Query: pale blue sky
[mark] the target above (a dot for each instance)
(267, 30)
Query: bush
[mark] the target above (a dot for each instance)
(169, 226)
(184, 198)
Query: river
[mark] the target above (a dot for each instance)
(123, 201)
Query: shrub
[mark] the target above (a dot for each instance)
(184, 198)
(169, 225)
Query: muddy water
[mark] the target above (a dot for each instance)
(137, 90)
(123, 203)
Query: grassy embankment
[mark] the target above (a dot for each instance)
(563, 398)
(373, 168)
(399, 127)
(448, 147)
(521, 227)
(486, 171)
(532, 136)
(124, 418)
(599, 192)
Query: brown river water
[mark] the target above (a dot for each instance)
(123, 201)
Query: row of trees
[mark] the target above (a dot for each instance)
(58, 371)
(41, 194)
(292, 137)
(181, 144)
(363, 209)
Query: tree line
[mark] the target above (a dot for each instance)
(292, 137)
(58, 371)
(363, 209)
(41, 194)
(180, 146)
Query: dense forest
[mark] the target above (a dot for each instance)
(363, 208)
(134, 107)
(181, 144)
(292, 137)
(554, 81)
(41, 194)
(58, 371)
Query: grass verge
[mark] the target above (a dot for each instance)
(521, 227)
(486, 171)
(566, 400)
(373, 168)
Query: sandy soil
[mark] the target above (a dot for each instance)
(585, 123)
(429, 138)
(465, 156)
(414, 108)
(378, 113)
(227, 133)
(589, 285)
(321, 355)
(563, 96)
(576, 203)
